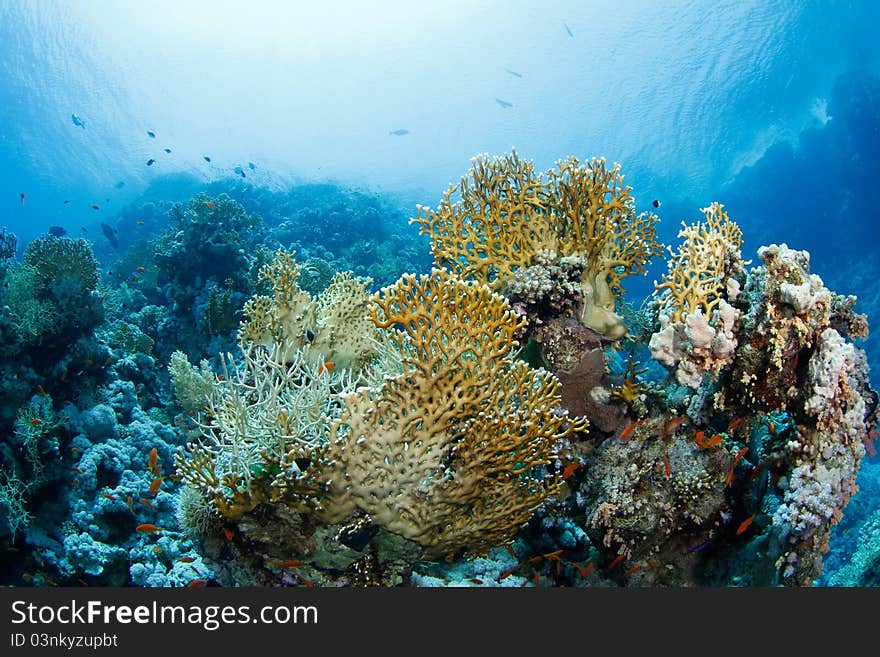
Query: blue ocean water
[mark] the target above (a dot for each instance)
(772, 108)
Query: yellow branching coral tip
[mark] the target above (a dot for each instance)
(451, 454)
(505, 213)
(696, 273)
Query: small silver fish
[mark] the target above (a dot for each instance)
(399, 132)
(503, 103)
(78, 122)
(514, 73)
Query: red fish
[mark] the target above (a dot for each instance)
(706, 443)
(211, 205)
(626, 433)
(156, 485)
(197, 584)
(570, 470)
(736, 460)
(292, 563)
(508, 572)
(616, 561)
(326, 367)
(673, 425)
(154, 455)
(744, 525)
(147, 528)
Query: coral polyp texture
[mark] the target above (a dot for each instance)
(503, 217)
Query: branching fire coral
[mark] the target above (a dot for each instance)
(506, 214)
(334, 325)
(451, 453)
(698, 269)
(696, 333)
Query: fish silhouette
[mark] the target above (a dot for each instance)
(568, 29)
(78, 122)
(503, 103)
(514, 73)
(110, 234)
(400, 132)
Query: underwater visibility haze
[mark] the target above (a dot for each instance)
(439, 294)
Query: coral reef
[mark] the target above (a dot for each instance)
(451, 454)
(506, 419)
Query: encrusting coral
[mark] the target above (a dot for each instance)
(506, 215)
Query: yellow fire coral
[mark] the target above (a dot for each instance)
(451, 450)
(697, 271)
(335, 326)
(451, 453)
(506, 213)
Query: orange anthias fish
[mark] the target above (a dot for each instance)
(156, 485)
(736, 460)
(570, 470)
(744, 525)
(197, 584)
(508, 572)
(626, 433)
(154, 455)
(147, 528)
(584, 571)
(292, 563)
(211, 205)
(706, 443)
(326, 367)
(673, 425)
